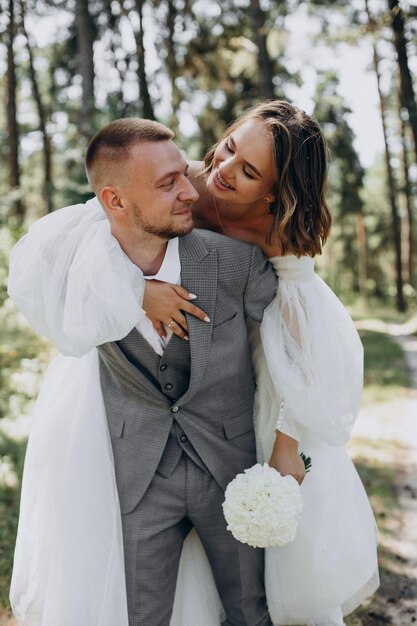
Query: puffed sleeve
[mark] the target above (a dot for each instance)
(72, 281)
(313, 353)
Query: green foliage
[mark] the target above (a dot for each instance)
(203, 68)
(23, 359)
(13, 453)
(385, 368)
(345, 179)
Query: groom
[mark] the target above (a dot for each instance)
(180, 414)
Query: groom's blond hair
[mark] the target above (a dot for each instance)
(112, 144)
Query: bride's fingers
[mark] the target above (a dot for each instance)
(177, 330)
(187, 306)
(184, 293)
(195, 311)
(181, 320)
(159, 327)
(300, 477)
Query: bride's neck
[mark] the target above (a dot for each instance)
(254, 220)
(246, 223)
(243, 214)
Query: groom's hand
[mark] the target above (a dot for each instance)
(165, 303)
(285, 457)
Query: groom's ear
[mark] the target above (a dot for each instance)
(111, 199)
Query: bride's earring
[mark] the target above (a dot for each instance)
(270, 206)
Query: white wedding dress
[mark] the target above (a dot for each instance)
(74, 284)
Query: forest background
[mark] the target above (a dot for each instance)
(70, 66)
(67, 67)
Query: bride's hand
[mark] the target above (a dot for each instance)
(165, 303)
(285, 458)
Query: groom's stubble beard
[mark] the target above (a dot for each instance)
(168, 231)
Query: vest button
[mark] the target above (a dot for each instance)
(175, 409)
(163, 367)
(183, 439)
(169, 386)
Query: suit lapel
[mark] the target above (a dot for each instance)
(199, 275)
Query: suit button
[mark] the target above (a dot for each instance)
(183, 439)
(163, 367)
(169, 386)
(175, 409)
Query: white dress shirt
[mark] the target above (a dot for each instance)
(169, 272)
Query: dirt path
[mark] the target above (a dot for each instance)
(386, 435)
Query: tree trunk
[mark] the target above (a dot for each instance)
(147, 108)
(85, 42)
(409, 205)
(48, 188)
(13, 129)
(396, 223)
(407, 96)
(119, 108)
(266, 84)
(172, 65)
(362, 257)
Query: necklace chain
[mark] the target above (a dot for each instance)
(218, 217)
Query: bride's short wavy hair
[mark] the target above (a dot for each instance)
(302, 219)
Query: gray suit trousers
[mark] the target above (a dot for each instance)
(153, 536)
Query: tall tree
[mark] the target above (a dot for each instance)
(346, 176)
(117, 106)
(395, 217)
(260, 31)
(411, 271)
(407, 95)
(171, 62)
(147, 107)
(13, 128)
(85, 29)
(42, 115)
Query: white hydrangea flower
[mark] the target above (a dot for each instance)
(263, 508)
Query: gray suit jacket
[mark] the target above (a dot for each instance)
(214, 408)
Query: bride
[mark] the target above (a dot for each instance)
(75, 285)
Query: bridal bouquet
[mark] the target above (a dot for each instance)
(263, 508)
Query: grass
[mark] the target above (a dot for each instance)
(386, 373)
(376, 310)
(9, 512)
(382, 470)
